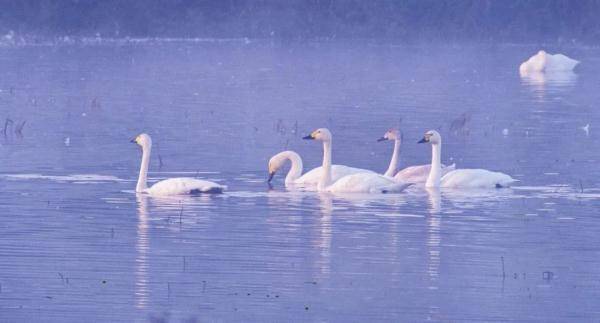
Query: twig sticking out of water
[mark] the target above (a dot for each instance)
(581, 186)
(547, 275)
(460, 124)
(96, 103)
(19, 128)
(180, 214)
(7, 122)
(280, 127)
(503, 272)
(160, 161)
(184, 264)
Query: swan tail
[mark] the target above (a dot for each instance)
(209, 190)
(507, 183)
(394, 188)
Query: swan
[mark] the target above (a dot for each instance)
(544, 62)
(466, 178)
(412, 174)
(354, 183)
(311, 178)
(171, 186)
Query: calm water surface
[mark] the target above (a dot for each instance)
(77, 244)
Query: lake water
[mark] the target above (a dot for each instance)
(77, 244)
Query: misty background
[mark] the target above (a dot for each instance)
(554, 21)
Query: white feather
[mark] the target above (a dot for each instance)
(172, 186)
(184, 186)
(418, 174)
(544, 62)
(460, 178)
(476, 178)
(366, 183)
(337, 171)
(363, 182)
(312, 177)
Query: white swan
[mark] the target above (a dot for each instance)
(412, 174)
(355, 183)
(311, 178)
(171, 186)
(544, 62)
(465, 178)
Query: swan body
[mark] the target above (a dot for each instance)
(412, 174)
(364, 182)
(419, 174)
(184, 186)
(311, 178)
(476, 178)
(172, 186)
(367, 183)
(544, 62)
(460, 178)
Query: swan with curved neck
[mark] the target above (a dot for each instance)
(412, 174)
(171, 186)
(355, 183)
(311, 178)
(460, 178)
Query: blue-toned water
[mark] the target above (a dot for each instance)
(77, 244)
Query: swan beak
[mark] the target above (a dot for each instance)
(271, 174)
(422, 141)
(382, 139)
(133, 140)
(309, 137)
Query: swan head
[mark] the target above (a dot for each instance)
(392, 134)
(275, 163)
(142, 140)
(433, 137)
(322, 134)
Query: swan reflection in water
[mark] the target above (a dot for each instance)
(142, 246)
(542, 83)
(434, 222)
(322, 240)
(434, 240)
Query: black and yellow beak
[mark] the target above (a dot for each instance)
(271, 175)
(382, 139)
(309, 137)
(424, 140)
(134, 140)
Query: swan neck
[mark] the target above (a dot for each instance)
(296, 168)
(326, 174)
(142, 179)
(436, 166)
(391, 171)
